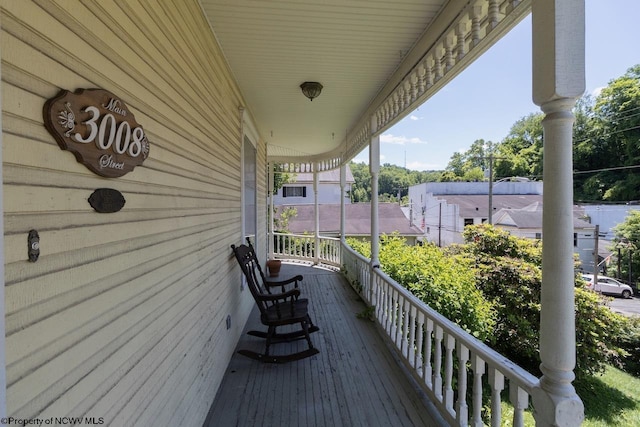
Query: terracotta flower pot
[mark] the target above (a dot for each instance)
(273, 265)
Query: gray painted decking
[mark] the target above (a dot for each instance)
(354, 381)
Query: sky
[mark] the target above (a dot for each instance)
(486, 99)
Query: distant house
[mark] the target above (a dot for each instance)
(527, 223)
(300, 190)
(357, 220)
(442, 209)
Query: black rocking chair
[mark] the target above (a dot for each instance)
(276, 309)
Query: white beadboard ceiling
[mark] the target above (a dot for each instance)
(352, 47)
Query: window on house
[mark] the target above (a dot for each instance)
(575, 239)
(249, 195)
(468, 221)
(294, 191)
(539, 236)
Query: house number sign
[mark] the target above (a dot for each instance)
(98, 128)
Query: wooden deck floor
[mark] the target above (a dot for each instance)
(354, 381)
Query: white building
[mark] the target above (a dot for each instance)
(443, 209)
(300, 190)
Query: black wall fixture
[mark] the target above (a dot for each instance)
(106, 200)
(33, 245)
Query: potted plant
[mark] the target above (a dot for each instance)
(273, 265)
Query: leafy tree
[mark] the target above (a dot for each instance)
(607, 142)
(281, 220)
(508, 271)
(474, 175)
(391, 181)
(361, 189)
(280, 177)
(627, 239)
(520, 152)
(471, 164)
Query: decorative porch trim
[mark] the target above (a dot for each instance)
(466, 37)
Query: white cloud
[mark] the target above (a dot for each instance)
(597, 91)
(412, 117)
(420, 166)
(363, 159)
(388, 138)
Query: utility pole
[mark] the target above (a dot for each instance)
(440, 226)
(595, 258)
(490, 217)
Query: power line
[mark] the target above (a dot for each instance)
(606, 169)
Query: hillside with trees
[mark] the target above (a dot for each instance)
(606, 148)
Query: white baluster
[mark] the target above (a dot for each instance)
(461, 31)
(406, 319)
(400, 321)
(478, 367)
(422, 71)
(494, 10)
(407, 94)
(496, 381)
(520, 401)
(450, 344)
(437, 62)
(429, 73)
(462, 409)
(448, 52)
(411, 354)
(396, 104)
(428, 371)
(437, 364)
(420, 355)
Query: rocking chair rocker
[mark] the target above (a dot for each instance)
(276, 309)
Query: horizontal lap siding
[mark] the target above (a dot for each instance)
(124, 315)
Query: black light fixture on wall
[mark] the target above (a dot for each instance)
(311, 89)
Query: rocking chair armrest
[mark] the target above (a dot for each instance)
(295, 280)
(295, 293)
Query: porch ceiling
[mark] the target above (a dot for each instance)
(352, 47)
(359, 50)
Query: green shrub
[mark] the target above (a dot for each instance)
(629, 341)
(491, 287)
(508, 271)
(438, 280)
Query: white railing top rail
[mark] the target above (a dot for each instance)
(306, 236)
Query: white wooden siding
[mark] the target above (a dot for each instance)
(124, 314)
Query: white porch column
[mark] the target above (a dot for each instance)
(374, 169)
(343, 215)
(316, 255)
(558, 80)
(271, 211)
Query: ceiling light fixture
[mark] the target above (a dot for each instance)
(311, 89)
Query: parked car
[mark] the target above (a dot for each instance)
(608, 286)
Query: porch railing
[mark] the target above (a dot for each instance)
(303, 247)
(432, 347)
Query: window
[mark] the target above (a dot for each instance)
(294, 191)
(575, 239)
(539, 236)
(249, 188)
(468, 221)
